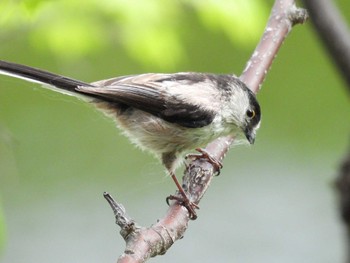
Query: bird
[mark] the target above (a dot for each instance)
(167, 114)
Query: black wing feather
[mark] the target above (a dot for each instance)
(187, 115)
(152, 99)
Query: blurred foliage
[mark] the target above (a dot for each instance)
(149, 30)
(56, 150)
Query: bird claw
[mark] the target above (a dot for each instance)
(204, 154)
(183, 200)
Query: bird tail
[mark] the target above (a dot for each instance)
(53, 81)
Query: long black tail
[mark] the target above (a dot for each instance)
(41, 76)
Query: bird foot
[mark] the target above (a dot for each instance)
(204, 154)
(183, 200)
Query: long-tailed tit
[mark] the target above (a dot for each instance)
(166, 114)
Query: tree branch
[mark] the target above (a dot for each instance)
(143, 243)
(334, 33)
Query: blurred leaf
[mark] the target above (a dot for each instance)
(32, 5)
(148, 29)
(11, 15)
(68, 38)
(71, 35)
(242, 21)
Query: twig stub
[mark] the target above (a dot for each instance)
(298, 15)
(125, 222)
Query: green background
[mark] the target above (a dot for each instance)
(273, 202)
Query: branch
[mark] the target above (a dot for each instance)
(333, 31)
(143, 243)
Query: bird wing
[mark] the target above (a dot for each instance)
(187, 99)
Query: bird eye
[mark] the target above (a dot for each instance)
(250, 114)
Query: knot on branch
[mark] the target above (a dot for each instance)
(297, 15)
(197, 178)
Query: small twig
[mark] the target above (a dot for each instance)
(127, 225)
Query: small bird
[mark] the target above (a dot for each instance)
(166, 114)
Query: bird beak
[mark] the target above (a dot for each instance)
(250, 135)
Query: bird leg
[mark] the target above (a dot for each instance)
(169, 160)
(204, 154)
(184, 200)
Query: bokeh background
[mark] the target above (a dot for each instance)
(273, 202)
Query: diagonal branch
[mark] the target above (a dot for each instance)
(143, 243)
